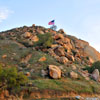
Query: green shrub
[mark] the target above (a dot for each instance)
(95, 65)
(45, 40)
(11, 79)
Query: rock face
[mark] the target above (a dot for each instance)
(54, 72)
(95, 75)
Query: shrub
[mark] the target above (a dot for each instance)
(45, 40)
(95, 65)
(10, 78)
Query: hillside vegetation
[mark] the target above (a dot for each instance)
(35, 59)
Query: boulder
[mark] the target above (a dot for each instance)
(27, 74)
(42, 59)
(40, 31)
(73, 67)
(46, 31)
(51, 52)
(27, 35)
(54, 45)
(4, 56)
(95, 75)
(70, 57)
(54, 72)
(58, 36)
(44, 73)
(34, 38)
(26, 59)
(59, 51)
(73, 75)
(91, 60)
(61, 31)
(63, 60)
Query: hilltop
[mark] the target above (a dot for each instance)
(53, 61)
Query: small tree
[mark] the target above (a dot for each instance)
(10, 78)
(45, 40)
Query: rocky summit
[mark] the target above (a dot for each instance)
(55, 63)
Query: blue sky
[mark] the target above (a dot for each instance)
(80, 18)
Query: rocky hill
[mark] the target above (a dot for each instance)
(44, 55)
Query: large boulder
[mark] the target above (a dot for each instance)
(95, 75)
(54, 72)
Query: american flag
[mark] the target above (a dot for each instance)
(51, 22)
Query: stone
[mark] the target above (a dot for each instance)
(58, 36)
(40, 31)
(61, 31)
(54, 72)
(91, 60)
(54, 45)
(51, 52)
(42, 59)
(73, 67)
(26, 59)
(70, 57)
(59, 51)
(73, 75)
(20, 68)
(46, 31)
(95, 75)
(63, 60)
(30, 84)
(4, 56)
(27, 74)
(34, 38)
(27, 35)
(43, 73)
(32, 70)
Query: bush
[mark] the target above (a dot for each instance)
(11, 79)
(45, 40)
(95, 65)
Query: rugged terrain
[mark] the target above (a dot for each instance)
(52, 60)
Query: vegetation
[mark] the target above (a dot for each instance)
(95, 65)
(45, 40)
(68, 85)
(10, 78)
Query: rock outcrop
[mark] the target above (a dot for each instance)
(72, 48)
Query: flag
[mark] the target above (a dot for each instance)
(51, 22)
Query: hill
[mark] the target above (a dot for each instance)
(52, 60)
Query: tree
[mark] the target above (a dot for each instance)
(45, 40)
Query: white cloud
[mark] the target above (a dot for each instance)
(4, 13)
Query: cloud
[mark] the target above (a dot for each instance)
(4, 13)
